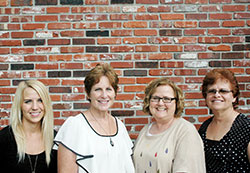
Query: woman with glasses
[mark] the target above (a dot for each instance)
(226, 135)
(169, 144)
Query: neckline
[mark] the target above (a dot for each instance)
(99, 133)
(163, 132)
(226, 134)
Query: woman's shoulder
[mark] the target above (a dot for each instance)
(5, 132)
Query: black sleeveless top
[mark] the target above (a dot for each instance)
(229, 155)
(9, 158)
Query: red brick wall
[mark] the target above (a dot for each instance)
(58, 41)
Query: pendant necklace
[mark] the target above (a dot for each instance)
(110, 139)
(31, 165)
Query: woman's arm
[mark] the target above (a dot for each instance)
(66, 160)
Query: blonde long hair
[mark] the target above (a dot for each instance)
(47, 122)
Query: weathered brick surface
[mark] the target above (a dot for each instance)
(59, 41)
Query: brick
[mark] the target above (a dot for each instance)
(171, 48)
(92, 49)
(84, 25)
(82, 41)
(72, 49)
(96, 2)
(232, 39)
(21, 3)
(21, 19)
(220, 64)
(219, 32)
(80, 73)
(4, 34)
(234, 55)
(160, 72)
(62, 106)
(4, 3)
(58, 10)
(71, 66)
(96, 17)
(185, 40)
(220, 1)
(135, 72)
(71, 18)
(4, 50)
(83, 9)
(121, 49)
(22, 50)
(71, 2)
(210, 40)
(45, 2)
(185, 24)
(241, 32)
(10, 42)
(97, 33)
(110, 24)
(51, 82)
(172, 16)
(146, 64)
(209, 24)
(220, 48)
(4, 19)
(73, 97)
(121, 33)
(126, 80)
(146, 17)
(85, 57)
(160, 56)
(109, 9)
(135, 24)
(72, 33)
(160, 24)
(60, 58)
(46, 66)
(233, 23)
(121, 64)
(172, 64)
(158, 9)
(4, 98)
(136, 120)
(242, 15)
(195, 16)
(242, 63)
(35, 42)
(46, 18)
(184, 72)
(233, 8)
(22, 66)
(58, 41)
(22, 34)
(35, 58)
(209, 8)
(81, 105)
(122, 1)
(241, 47)
(34, 26)
(195, 32)
(145, 32)
(59, 74)
(124, 17)
(208, 55)
(34, 74)
(220, 16)
(59, 26)
(146, 48)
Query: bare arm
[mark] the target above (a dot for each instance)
(66, 160)
(248, 152)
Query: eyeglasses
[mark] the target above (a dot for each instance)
(220, 91)
(164, 99)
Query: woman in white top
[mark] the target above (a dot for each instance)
(94, 141)
(170, 144)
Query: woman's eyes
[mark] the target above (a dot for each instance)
(29, 101)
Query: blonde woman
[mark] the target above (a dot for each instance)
(26, 144)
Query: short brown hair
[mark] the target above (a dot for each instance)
(93, 77)
(150, 90)
(223, 74)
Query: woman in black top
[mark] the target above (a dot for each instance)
(26, 144)
(226, 135)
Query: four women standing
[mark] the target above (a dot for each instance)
(95, 141)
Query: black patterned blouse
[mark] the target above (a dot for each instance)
(229, 155)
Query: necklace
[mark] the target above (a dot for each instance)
(110, 139)
(31, 165)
